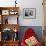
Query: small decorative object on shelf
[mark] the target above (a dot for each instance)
(13, 12)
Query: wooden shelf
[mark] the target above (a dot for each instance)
(10, 43)
(10, 26)
(4, 13)
(4, 8)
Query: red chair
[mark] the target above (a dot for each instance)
(29, 33)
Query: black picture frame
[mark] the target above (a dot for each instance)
(29, 13)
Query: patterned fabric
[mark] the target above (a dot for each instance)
(30, 39)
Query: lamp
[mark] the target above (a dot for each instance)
(15, 37)
(15, 3)
(15, 30)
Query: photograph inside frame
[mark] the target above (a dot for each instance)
(29, 13)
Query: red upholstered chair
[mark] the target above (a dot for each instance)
(29, 33)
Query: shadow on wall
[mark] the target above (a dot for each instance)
(37, 29)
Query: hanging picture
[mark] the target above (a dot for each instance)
(29, 13)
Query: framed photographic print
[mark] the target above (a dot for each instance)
(29, 13)
(5, 12)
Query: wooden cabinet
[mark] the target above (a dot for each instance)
(9, 23)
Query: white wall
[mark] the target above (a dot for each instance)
(27, 4)
(39, 13)
(7, 3)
